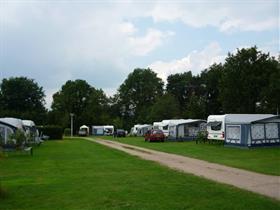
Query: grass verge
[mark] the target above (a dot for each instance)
(262, 160)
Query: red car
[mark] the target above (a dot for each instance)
(154, 135)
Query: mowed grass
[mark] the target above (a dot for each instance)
(262, 160)
(77, 174)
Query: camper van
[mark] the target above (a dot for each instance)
(216, 127)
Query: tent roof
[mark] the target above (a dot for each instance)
(144, 126)
(29, 123)
(84, 126)
(9, 125)
(188, 121)
(13, 121)
(247, 118)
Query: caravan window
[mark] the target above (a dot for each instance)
(215, 126)
(165, 127)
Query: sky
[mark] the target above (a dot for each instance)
(54, 41)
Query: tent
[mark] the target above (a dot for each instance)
(252, 130)
(142, 129)
(6, 130)
(84, 130)
(13, 121)
(31, 130)
(97, 130)
(186, 129)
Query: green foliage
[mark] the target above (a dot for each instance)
(181, 86)
(53, 131)
(137, 94)
(210, 80)
(17, 137)
(22, 98)
(89, 105)
(246, 79)
(67, 132)
(166, 107)
(196, 108)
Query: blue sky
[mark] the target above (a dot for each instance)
(103, 41)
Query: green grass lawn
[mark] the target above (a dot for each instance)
(262, 160)
(77, 174)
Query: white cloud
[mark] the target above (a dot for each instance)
(153, 39)
(196, 61)
(228, 16)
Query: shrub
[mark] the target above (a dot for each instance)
(53, 131)
(201, 136)
(17, 138)
(67, 132)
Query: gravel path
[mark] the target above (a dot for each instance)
(259, 183)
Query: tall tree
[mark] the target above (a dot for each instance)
(210, 79)
(166, 107)
(182, 86)
(22, 98)
(78, 97)
(246, 75)
(138, 92)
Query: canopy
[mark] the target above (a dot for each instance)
(13, 121)
(247, 118)
(29, 123)
(84, 126)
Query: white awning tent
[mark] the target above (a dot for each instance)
(186, 129)
(28, 123)
(8, 126)
(246, 118)
(13, 121)
(142, 129)
(252, 130)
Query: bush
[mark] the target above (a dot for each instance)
(67, 132)
(17, 138)
(201, 136)
(53, 131)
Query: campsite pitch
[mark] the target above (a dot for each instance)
(77, 174)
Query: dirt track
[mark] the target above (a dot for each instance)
(259, 183)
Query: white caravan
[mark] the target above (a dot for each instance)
(216, 127)
(164, 125)
(108, 130)
(133, 130)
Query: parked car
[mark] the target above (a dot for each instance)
(154, 135)
(120, 133)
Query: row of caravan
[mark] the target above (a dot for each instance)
(234, 129)
(9, 126)
(173, 129)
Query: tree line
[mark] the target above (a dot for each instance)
(247, 82)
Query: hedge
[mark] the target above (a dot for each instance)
(53, 131)
(67, 132)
